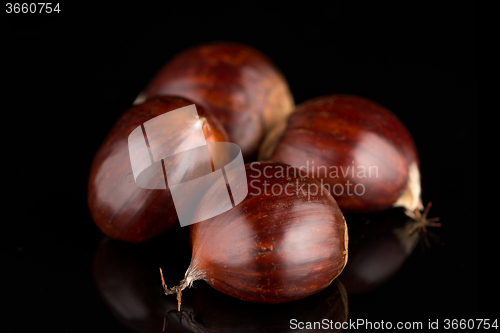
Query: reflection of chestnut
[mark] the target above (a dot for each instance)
(127, 278)
(239, 84)
(216, 312)
(120, 208)
(379, 244)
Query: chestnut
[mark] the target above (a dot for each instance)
(285, 241)
(120, 208)
(355, 147)
(240, 85)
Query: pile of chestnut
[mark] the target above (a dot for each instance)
(313, 170)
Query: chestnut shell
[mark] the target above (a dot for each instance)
(121, 209)
(331, 136)
(240, 85)
(272, 247)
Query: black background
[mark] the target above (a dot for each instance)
(67, 77)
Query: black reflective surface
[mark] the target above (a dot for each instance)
(67, 78)
(127, 278)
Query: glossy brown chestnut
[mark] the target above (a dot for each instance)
(239, 84)
(120, 208)
(356, 147)
(286, 240)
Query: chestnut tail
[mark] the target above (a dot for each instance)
(421, 222)
(191, 275)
